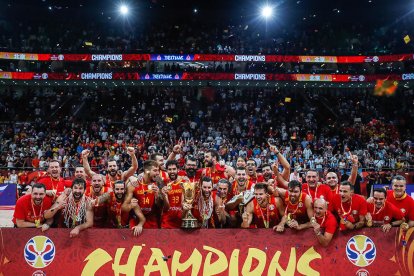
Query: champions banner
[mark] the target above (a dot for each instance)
(204, 252)
(204, 57)
(204, 76)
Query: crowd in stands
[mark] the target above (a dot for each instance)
(313, 129)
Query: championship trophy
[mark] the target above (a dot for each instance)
(189, 222)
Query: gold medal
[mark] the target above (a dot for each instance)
(369, 223)
(289, 217)
(37, 223)
(313, 220)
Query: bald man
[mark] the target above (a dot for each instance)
(324, 222)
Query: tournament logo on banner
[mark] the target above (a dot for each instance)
(361, 250)
(39, 252)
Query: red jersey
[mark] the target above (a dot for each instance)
(171, 218)
(146, 200)
(298, 210)
(320, 191)
(117, 217)
(267, 217)
(252, 180)
(216, 174)
(405, 204)
(334, 191)
(384, 215)
(100, 212)
(195, 178)
(235, 189)
(28, 211)
(328, 223)
(57, 185)
(351, 210)
(164, 176)
(23, 178)
(109, 182)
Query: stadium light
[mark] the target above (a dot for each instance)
(267, 12)
(124, 10)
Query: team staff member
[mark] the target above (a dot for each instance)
(324, 223)
(400, 199)
(382, 213)
(350, 208)
(332, 178)
(30, 208)
(54, 183)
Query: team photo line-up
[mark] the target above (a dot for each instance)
(209, 195)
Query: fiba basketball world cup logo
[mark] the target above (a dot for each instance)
(361, 250)
(39, 252)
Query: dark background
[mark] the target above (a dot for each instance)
(372, 13)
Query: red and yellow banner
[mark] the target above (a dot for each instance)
(204, 57)
(203, 76)
(204, 252)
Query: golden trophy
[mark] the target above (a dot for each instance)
(189, 222)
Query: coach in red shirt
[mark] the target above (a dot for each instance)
(349, 207)
(400, 199)
(381, 213)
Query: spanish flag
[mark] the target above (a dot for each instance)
(385, 88)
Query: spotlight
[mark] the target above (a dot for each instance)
(267, 11)
(123, 9)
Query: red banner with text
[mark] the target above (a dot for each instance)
(204, 252)
(204, 57)
(188, 76)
